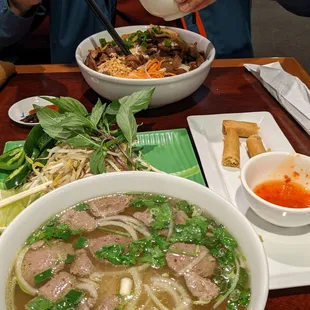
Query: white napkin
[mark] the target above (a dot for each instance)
(287, 89)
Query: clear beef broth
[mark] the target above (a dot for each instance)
(109, 284)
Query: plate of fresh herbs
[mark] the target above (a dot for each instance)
(71, 143)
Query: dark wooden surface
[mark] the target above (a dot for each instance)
(226, 90)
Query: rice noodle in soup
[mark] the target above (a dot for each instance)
(156, 53)
(130, 251)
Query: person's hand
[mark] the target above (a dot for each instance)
(21, 7)
(193, 5)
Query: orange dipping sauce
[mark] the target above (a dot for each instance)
(284, 193)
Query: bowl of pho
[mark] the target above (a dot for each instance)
(173, 60)
(132, 240)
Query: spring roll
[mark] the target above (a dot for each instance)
(244, 129)
(255, 145)
(231, 153)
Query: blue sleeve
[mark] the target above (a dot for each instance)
(12, 27)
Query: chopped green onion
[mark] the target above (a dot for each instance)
(167, 43)
(74, 296)
(103, 42)
(69, 259)
(43, 276)
(39, 303)
(70, 301)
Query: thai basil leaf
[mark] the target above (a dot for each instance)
(50, 121)
(73, 121)
(97, 112)
(113, 107)
(137, 101)
(67, 104)
(97, 161)
(127, 123)
(83, 140)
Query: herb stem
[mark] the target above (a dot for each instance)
(117, 160)
(114, 140)
(126, 155)
(118, 232)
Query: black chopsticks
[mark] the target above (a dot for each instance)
(118, 40)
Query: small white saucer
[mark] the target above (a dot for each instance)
(20, 109)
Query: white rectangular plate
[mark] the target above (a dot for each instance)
(287, 248)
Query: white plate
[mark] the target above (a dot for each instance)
(21, 109)
(287, 248)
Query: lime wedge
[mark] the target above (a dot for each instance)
(9, 212)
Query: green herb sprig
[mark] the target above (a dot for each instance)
(73, 125)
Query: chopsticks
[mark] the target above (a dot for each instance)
(118, 40)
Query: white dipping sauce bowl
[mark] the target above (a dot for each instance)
(275, 166)
(211, 203)
(167, 90)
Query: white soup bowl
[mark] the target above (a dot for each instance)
(211, 203)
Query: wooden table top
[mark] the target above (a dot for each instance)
(229, 88)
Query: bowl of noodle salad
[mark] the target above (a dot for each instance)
(174, 61)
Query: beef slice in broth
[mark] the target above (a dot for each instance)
(146, 217)
(82, 265)
(202, 288)
(108, 206)
(78, 220)
(180, 217)
(109, 302)
(45, 257)
(177, 262)
(58, 286)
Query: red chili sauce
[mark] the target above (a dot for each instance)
(285, 193)
(51, 106)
